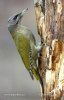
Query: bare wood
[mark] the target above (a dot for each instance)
(50, 24)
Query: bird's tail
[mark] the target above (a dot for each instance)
(31, 74)
(38, 77)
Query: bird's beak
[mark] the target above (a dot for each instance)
(23, 12)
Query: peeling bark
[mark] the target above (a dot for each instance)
(50, 25)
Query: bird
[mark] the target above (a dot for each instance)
(26, 45)
(25, 42)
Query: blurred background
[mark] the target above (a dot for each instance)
(15, 81)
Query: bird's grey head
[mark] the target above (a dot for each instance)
(13, 20)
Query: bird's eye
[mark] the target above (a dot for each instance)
(15, 17)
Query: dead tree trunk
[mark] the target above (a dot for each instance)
(50, 25)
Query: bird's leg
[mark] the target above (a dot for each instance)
(39, 47)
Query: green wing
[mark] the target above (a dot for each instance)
(23, 46)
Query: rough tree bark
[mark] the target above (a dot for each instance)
(50, 25)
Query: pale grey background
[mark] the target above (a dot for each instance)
(14, 78)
